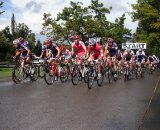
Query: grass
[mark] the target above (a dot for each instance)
(5, 73)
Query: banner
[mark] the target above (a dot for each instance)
(134, 45)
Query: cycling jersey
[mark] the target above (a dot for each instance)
(66, 54)
(112, 49)
(140, 55)
(128, 56)
(53, 47)
(96, 52)
(119, 57)
(79, 49)
(23, 48)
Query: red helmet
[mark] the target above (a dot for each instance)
(63, 48)
(75, 36)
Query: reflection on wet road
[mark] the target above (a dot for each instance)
(36, 106)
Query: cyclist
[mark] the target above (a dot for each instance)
(17, 47)
(65, 53)
(140, 54)
(110, 53)
(22, 49)
(78, 47)
(119, 61)
(128, 57)
(52, 50)
(94, 52)
(44, 48)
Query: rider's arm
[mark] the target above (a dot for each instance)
(88, 50)
(28, 51)
(106, 51)
(72, 51)
(58, 53)
(84, 47)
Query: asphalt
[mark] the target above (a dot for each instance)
(116, 106)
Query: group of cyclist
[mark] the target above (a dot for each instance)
(94, 51)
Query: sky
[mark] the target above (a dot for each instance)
(31, 12)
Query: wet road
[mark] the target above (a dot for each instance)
(36, 106)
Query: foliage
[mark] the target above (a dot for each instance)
(1, 3)
(147, 12)
(8, 34)
(87, 22)
(38, 48)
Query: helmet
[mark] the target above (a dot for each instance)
(16, 41)
(110, 39)
(140, 50)
(92, 42)
(75, 36)
(21, 39)
(63, 48)
(153, 56)
(48, 42)
(51, 37)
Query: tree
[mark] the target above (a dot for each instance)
(22, 30)
(13, 25)
(1, 3)
(8, 34)
(87, 22)
(118, 31)
(38, 48)
(147, 12)
(32, 40)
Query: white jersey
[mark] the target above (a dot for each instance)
(125, 52)
(140, 53)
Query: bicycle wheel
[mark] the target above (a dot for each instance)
(100, 80)
(91, 77)
(86, 75)
(34, 72)
(64, 73)
(126, 74)
(18, 74)
(109, 75)
(75, 75)
(48, 76)
(41, 71)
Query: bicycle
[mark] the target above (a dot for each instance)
(22, 70)
(39, 63)
(93, 74)
(109, 71)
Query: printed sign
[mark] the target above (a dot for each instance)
(134, 45)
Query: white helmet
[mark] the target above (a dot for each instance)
(92, 42)
(140, 49)
(153, 56)
(16, 41)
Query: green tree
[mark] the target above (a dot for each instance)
(22, 30)
(147, 12)
(1, 3)
(32, 40)
(87, 22)
(118, 31)
(8, 34)
(38, 48)
(13, 25)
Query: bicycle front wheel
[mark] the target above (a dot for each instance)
(90, 79)
(18, 74)
(75, 75)
(49, 77)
